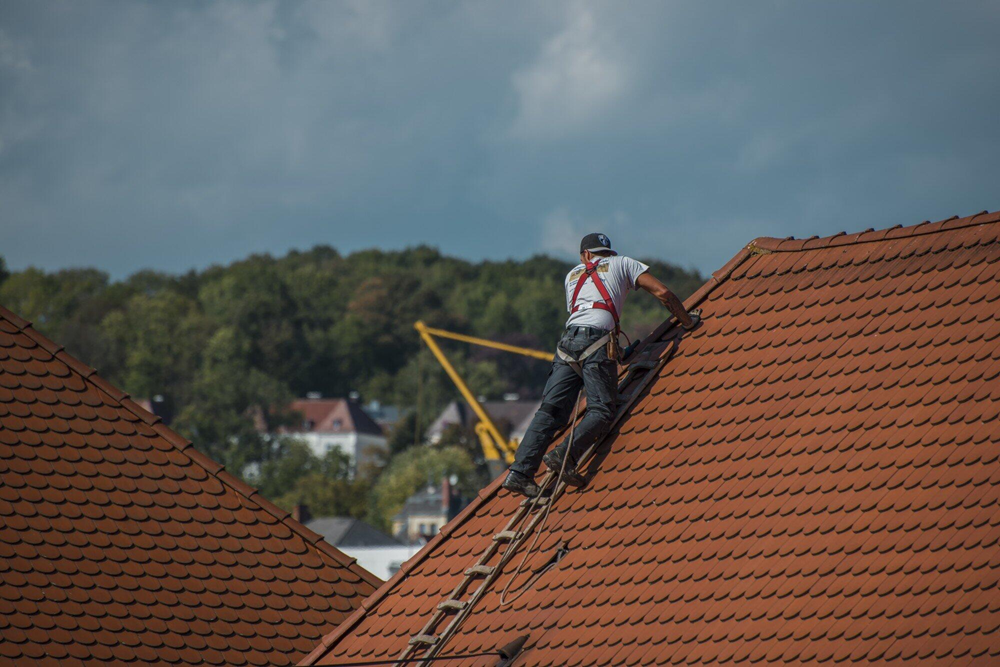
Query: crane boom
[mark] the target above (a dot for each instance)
(525, 351)
(495, 446)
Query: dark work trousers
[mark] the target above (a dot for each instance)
(600, 381)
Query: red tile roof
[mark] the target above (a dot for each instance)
(122, 544)
(812, 476)
(333, 415)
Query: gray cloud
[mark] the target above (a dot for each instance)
(177, 134)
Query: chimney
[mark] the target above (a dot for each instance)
(445, 497)
(301, 513)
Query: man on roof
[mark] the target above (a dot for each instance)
(587, 356)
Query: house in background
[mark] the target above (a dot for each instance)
(426, 511)
(375, 551)
(338, 423)
(386, 416)
(507, 415)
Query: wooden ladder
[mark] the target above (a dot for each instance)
(460, 602)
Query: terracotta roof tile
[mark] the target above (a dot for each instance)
(120, 543)
(811, 477)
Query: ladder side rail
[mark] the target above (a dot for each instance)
(462, 585)
(484, 588)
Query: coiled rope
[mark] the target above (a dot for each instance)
(520, 590)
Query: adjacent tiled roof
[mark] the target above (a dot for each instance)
(122, 544)
(333, 415)
(812, 477)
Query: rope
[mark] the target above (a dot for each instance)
(520, 590)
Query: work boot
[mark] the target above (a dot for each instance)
(554, 461)
(522, 484)
(573, 478)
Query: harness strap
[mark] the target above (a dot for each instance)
(607, 304)
(577, 363)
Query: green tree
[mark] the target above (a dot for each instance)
(329, 489)
(232, 402)
(159, 338)
(413, 469)
(253, 299)
(290, 461)
(405, 434)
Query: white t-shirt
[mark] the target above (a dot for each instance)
(618, 275)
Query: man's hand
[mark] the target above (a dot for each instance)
(695, 316)
(647, 282)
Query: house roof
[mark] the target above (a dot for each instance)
(812, 476)
(425, 501)
(120, 543)
(506, 414)
(333, 415)
(429, 501)
(345, 531)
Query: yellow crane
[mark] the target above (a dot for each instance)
(495, 447)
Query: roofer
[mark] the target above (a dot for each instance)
(587, 355)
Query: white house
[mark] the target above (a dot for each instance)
(339, 423)
(374, 550)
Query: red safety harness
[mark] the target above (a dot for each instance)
(607, 304)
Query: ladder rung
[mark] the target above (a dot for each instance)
(452, 605)
(479, 571)
(427, 640)
(539, 502)
(506, 536)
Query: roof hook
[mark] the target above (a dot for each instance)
(509, 652)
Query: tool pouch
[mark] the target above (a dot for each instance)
(614, 348)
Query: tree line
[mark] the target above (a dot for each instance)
(229, 346)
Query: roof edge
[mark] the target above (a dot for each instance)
(769, 244)
(331, 639)
(210, 466)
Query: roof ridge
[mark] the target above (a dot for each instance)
(490, 489)
(211, 467)
(791, 244)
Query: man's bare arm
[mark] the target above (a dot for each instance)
(649, 283)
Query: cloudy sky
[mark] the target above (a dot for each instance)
(177, 134)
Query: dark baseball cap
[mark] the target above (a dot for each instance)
(596, 243)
